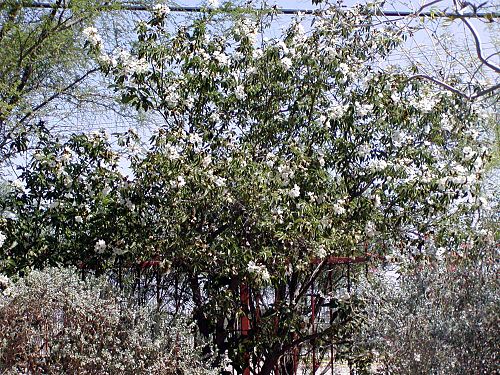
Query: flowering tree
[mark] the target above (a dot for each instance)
(274, 154)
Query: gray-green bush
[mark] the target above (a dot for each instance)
(52, 322)
(437, 320)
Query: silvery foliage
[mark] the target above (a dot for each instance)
(53, 321)
(440, 318)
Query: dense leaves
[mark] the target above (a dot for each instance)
(273, 154)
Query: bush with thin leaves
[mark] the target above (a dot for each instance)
(437, 320)
(52, 322)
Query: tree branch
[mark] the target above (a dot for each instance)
(479, 51)
(306, 286)
(485, 91)
(453, 89)
(56, 94)
(439, 83)
(417, 13)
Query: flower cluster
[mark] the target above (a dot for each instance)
(259, 271)
(3, 237)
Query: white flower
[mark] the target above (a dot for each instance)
(330, 54)
(484, 203)
(257, 54)
(133, 65)
(468, 153)
(446, 123)
(442, 183)
(440, 252)
(426, 104)
(220, 181)
(239, 92)
(214, 116)
(238, 56)
(365, 109)
(260, 271)
(93, 37)
(378, 165)
(370, 229)
(459, 180)
(89, 31)
(178, 183)
(66, 156)
(322, 119)
(172, 153)
(79, 219)
(105, 60)
(346, 296)
(17, 184)
(478, 163)
(4, 282)
(300, 31)
(194, 139)
(100, 246)
(337, 110)
(294, 192)
(123, 56)
(287, 62)
(264, 276)
(312, 196)
(106, 191)
(416, 356)
(344, 68)
(207, 160)
(338, 208)
(161, 10)
(398, 137)
(286, 173)
(321, 252)
(252, 267)
(270, 159)
(129, 205)
(221, 58)
(3, 237)
(281, 45)
(181, 181)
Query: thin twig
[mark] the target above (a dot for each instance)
(453, 89)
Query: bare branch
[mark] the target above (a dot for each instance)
(56, 94)
(440, 83)
(454, 89)
(485, 91)
(420, 10)
(306, 286)
(479, 51)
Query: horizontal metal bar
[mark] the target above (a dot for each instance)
(189, 9)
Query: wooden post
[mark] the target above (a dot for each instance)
(313, 313)
(245, 322)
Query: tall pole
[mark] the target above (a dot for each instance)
(245, 322)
